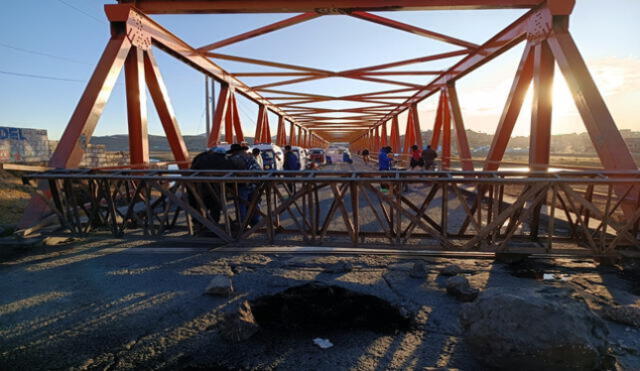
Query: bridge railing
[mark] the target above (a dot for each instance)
(452, 211)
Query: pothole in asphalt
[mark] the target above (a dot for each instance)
(322, 307)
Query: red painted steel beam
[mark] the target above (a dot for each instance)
(602, 129)
(416, 126)
(141, 26)
(261, 31)
(136, 107)
(160, 97)
(437, 125)
(219, 115)
(395, 134)
(463, 143)
(323, 6)
(446, 133)
(385, 140)
(411, 29)
(536, 20)
(511, 111)
(404, 62)
(541, 109)
(81, 126)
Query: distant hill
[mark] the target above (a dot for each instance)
(120, 142)
(566, 143)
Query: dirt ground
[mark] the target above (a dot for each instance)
(123, 304)
(14, 197)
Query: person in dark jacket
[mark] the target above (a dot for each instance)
(291, 162)
(246, 191)
(365, 156)
(428, 157)
(210, 196)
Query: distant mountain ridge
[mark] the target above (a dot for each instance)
(564, 143)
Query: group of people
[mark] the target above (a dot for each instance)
(419, 159)
(238, 157)
(423, 159)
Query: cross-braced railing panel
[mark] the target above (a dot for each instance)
(576, 212)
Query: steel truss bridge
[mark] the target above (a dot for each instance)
(371, 123)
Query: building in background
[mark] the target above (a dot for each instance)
(19, 145)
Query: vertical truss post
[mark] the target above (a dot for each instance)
(219, 115)
(136, 107)
(384, 138)
(280, 136)
(158, 92)
(377, 138)
(437, 125)
(409, 134)
(511, 111)
(228, 119)
(446, 132)
(395, 134)
(237, 125)
(292, 134)
(260, 123)
(540, 138)
(417, 136)
(463, 144)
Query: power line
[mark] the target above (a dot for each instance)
(43, 77)
(101, 21)
(41, 54)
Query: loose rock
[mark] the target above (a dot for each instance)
(451, 270)
(625, 314)
(239, 325)
(220, 285)
(534, 329)
(459, 287)
(418, 271)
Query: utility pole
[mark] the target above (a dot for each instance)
(207, 105)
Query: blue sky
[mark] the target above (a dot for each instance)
(75, 33)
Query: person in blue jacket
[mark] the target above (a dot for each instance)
(384, 162)
(291, 162)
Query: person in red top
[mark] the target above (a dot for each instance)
(416, 157)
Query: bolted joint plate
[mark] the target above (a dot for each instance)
(136, 33)
(540, 25)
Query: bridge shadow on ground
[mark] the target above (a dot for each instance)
(122, 305)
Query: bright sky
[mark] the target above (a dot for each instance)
(63, 39)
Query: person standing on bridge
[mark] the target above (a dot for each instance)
(258, 157)
(428, 157)
(291, 162)
(242, 160)
(384, 164)
(365, 156)
(416, 158)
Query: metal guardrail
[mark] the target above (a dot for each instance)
(452, 211)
